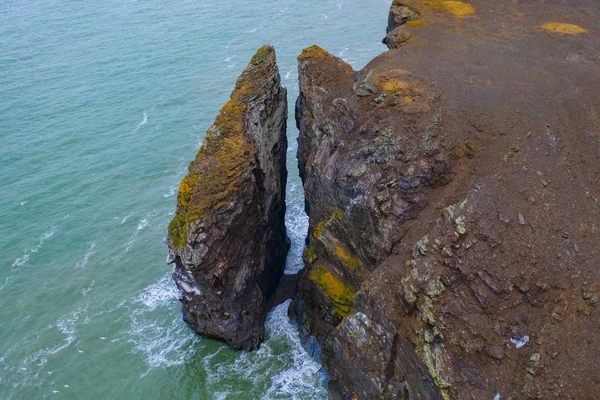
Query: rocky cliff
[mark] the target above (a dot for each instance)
(227, 240)
(452, 187)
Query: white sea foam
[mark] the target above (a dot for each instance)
(292, 147)
(86, 290)
(142, 224)
(163, 341)
(294, 374)
(66, 326)
(304, 376)
(144, 120)
(344, 50)
(86, 258)
(296, 222)
(125, 218)
(221, 395)
(171, 192)
(230, 65)
(160, 294)
(19, 262)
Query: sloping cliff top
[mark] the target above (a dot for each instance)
(479, 279)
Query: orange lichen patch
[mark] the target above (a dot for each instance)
(456, 8)
(393, 85)
(416, 22)
(345, 254)
(564, 28)
(325, 69)
(459, 8)
(334, 289)
(313, 52)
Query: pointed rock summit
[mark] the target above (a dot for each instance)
(228, 240)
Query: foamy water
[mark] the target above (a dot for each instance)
(103, 105)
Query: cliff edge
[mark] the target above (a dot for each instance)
(452, 187)
(228, 240)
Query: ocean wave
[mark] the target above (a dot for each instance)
(125, 218)
(66, 326)
(162, 341)
(296, 222)
(86, 258)
(144, 120)
(171, 192)
(142, 224)
(230, 65)
(160, 294)
(293, 373)
(19, 262)
(86, 290)
(304, 377)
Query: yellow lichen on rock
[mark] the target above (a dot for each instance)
(321, 225)
(414, 23)
(345, 254)
(224, 156)
(309, 254)
(313, 52)
(456, 8)
(564, 28)
(393, 85)
(335, 290)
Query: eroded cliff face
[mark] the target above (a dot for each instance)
(452, 187)
(228, 239)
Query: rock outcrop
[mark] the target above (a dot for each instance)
(452, 188)
(228, 239)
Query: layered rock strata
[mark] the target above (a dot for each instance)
(228, 240)
(452, 188)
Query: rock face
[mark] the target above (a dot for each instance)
(400, 17)
(228, 239)
(452, 188)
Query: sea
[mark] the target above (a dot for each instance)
(102, 106)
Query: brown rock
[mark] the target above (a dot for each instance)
(228, 239)
(408, 190)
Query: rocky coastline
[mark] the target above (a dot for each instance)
(451, 186)
(452, 191)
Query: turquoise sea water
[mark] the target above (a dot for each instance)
(102, 106)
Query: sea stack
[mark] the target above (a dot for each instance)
(228, 240)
